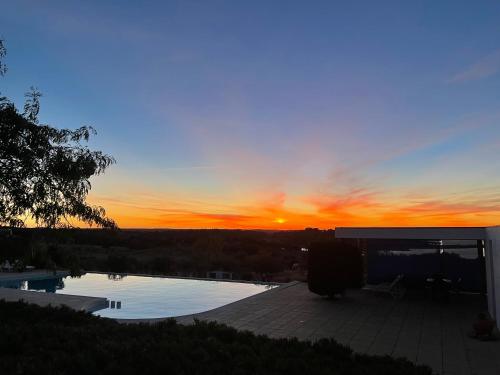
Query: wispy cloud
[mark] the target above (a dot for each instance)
(190, 168)
(485, 67)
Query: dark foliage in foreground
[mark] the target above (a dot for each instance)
(44, 171)
(35, 340)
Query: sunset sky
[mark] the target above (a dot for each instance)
(273, 114)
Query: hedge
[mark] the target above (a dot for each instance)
(47, 340)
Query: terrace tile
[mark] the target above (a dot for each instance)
(415, 328)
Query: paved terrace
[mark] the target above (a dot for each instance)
(420, 330)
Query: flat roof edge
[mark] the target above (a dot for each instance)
(412, 233)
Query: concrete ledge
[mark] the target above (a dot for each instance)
(80, 303)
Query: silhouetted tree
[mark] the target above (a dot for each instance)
(45, 171)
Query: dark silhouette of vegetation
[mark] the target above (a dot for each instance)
(45, 172)
(3, 53)
(20, 251)
(249, 255)
(36, 340)
(334, 266)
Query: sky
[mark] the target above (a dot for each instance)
(273, 114)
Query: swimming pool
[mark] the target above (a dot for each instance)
(141, 297)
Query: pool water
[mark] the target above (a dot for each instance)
(140, 297)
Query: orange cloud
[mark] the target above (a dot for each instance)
(357, 207)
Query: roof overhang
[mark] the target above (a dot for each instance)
(412, 233)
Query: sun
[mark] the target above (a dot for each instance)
(279, 220)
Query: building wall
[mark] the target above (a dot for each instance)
(412, 233)
(493, 270)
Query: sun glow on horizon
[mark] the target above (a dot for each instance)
(282, 212)
(279, 128)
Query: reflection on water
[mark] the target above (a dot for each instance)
(458, 261)
(116, 277)
(134, 297)
(50, 285)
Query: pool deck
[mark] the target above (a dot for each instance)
(80, 303)
(420, 330)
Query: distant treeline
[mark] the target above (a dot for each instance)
(248, 254)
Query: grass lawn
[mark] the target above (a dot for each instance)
(36, 340)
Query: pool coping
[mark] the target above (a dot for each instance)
(73, 301)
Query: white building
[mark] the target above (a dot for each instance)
(489, 235)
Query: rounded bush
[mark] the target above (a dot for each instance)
(333, 267)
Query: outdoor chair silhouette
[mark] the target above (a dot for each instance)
(395, 288)
(6, 266)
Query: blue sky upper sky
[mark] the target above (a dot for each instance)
(240, 113)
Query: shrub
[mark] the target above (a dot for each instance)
(333, 267)
(14, 247)
(44, 340)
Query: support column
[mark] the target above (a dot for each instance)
(482, 266)
(492, 261)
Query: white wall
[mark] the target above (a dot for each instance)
(413, 233)
(492, 249)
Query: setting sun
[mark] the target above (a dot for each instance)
(309, 187)
(262, 129)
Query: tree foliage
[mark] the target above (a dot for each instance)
(3, 52)
(44, 171)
